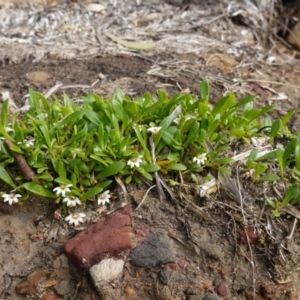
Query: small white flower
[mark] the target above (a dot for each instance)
(75, 218)
(29, 142)
(135, 162)
(62, 190)
(200, 159)
(8, 129)
(103, 198)
(11, 198)
(44, 115)
(72, 201)
(154, 130)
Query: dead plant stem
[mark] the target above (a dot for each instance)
(244, 218)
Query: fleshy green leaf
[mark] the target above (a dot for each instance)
(38, 190)
(92, 116)
(291, 192)
(62, 180)
(204, 89)
(111, 170)
(175, 166)
(275, 128)
(6, 178)
(269, 177)
(91, 193)
(4, 112)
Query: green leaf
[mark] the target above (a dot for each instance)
(144, 173)
(71, 118)
(268, 177)
(111, 170)
(33, 99)
(15, 148)
(260, 168)
(291, 192)
(212, 128)
(4, 112)
(99, 159)
(276, 126)
(267, 156)
(91, 193)
(61, 170)
(131, 107)
(118, 109)
(6, 178)
(4, 133)
(44, 129)
(286, 118)
(275, 213)
(270, 202)
(155, 107)
(62, 180)
(244, 101)
(169, 140)
(128, 179)
(92, 116)
(204, 89)
(45, 176)
(253, 154)
(165, 123)
(175, 166)
(38, 190)
(131, 45)
(238, 132)
(280, 160)
(118, 95)
(256, 112)
(223, 104)
(225, 160)
(193, 133)
(151, 168)
(225, 170)
(297, 152)
(289, 150)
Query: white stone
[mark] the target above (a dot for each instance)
(106, 270)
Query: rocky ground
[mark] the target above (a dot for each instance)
(195, 249)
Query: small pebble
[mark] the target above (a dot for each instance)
(211, 297)
(165, 276)
(221, 289)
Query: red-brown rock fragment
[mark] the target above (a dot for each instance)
(110, 237)
(252, 234)
(221, 289)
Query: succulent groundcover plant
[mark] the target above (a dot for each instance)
(72, 152)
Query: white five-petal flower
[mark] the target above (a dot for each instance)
(200, 159)
(11, 198)
(8, 129)
(154, 129)
(62, 189)
(103, 198)
(29, 142)
(75, 218)
(72, 201)
(135, 162)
